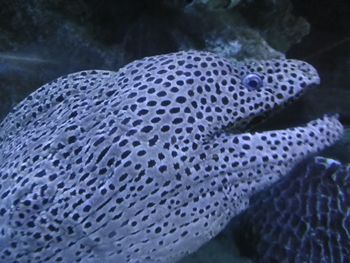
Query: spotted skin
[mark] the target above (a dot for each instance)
(302, 218)
(136, 166)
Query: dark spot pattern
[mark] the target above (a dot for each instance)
(135, 165)
(302, 218)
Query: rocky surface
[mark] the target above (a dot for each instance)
(327, 47)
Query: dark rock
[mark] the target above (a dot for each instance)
(47, 39)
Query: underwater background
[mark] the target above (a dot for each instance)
(41, 40)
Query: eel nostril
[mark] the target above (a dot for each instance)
(306, 68)
(310, 72)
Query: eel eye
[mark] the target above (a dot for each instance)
(252, 81)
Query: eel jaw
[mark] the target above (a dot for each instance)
(312, 137)
(294, 144)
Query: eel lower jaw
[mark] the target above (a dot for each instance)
(317, 133)
(301, 141)
(278, 151)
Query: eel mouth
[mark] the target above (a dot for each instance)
(279, 116)
(281, 119)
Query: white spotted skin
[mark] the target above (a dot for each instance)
(135, 166)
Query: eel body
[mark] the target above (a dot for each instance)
(137, 165)
(305, 217)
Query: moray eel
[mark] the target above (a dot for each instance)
(302, 218)
(137, 165)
